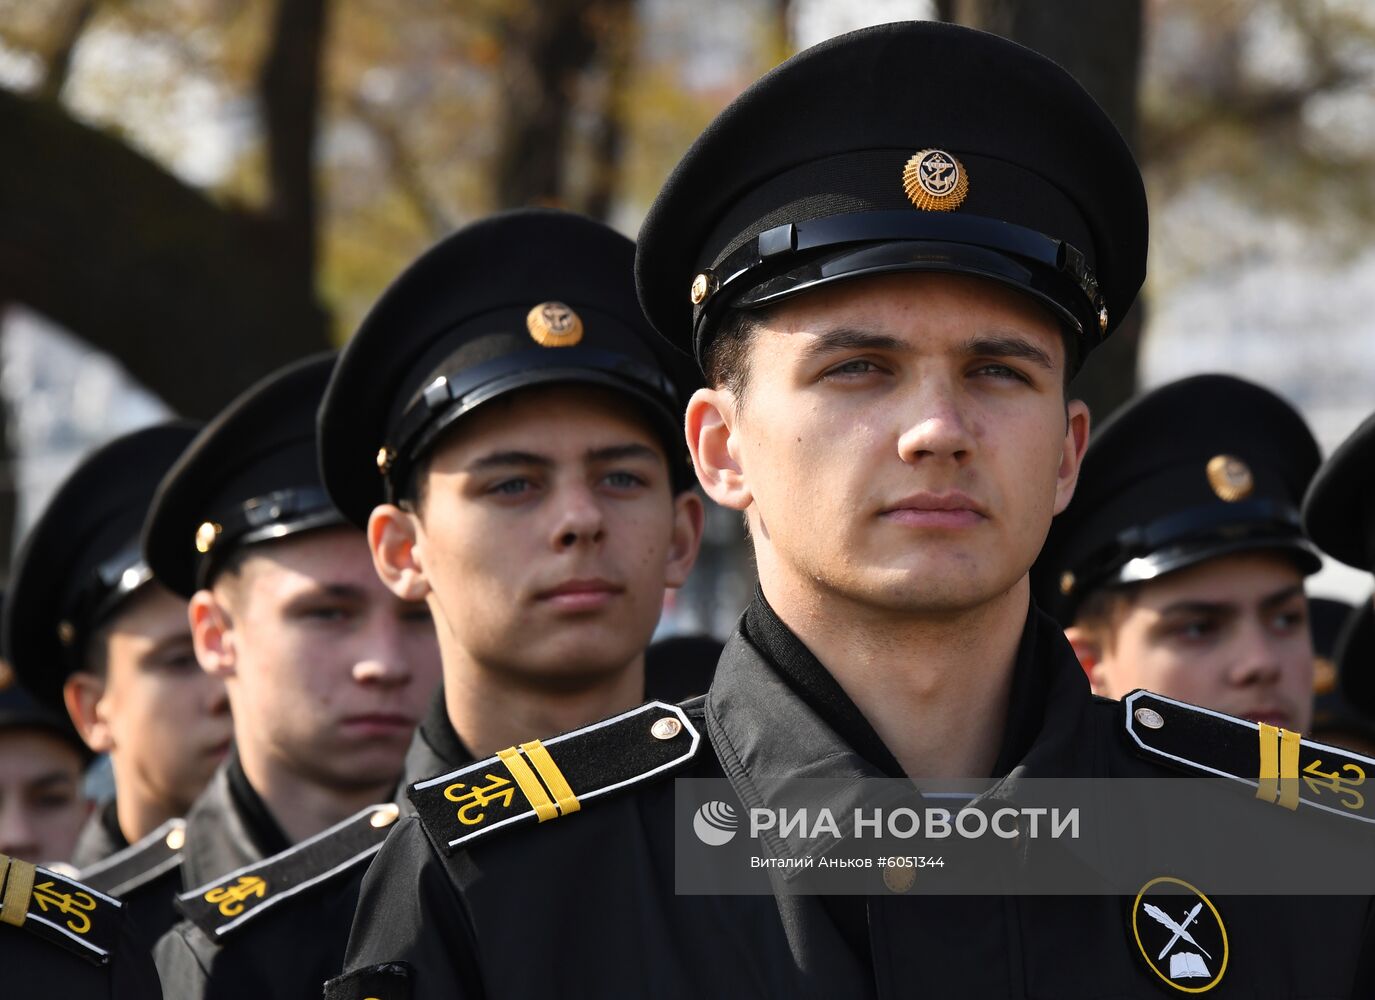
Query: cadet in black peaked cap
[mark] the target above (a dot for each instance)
(327, 672)
(887, 255)
(1339, 510)
(506, 412)
(91, 627)
(1343, 654)
(1179, 565)
(42, 767)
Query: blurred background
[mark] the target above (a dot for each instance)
(193, 192)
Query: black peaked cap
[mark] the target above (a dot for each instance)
(81, 560)
(1015, 174)
(1339, 510)
(1343, 649)
(527, 297)
(21, 710)
(1202, 467)
(250, 476)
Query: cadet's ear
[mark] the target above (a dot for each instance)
(711, 426)
(212, 634)
(689, 516)
(1071, 451)
(397, 552)
(83, 693)
(1090, 654)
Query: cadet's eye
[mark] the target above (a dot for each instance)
(328, 614)
(852, 368)
(623, 480)
(515, 487)
(1288, 621)
(1000, 372)
(1195, 629)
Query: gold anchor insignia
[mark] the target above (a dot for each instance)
(553, 324)
(935, 181)
(479, 796)
(231, 898)
(1334, 781)
(1230, 478)
(75, 904)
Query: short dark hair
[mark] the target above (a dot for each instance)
(1102, 611)
(726, 362)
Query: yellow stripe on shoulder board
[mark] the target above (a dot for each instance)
(529, 785)
(1267, 788)
(1289, 769)
(19, 877)
(552, 776)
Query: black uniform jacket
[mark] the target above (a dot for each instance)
(62, 938)
(586, 907)
(145, 877)
(287, 941)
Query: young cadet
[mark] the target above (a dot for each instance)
(1343, 683)
(88, 626)
(327, 671)
(541, 512)
(42, 765)
(1179, 567)
(887, 365)
(1339, 508)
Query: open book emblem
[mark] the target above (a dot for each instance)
(1180, 935)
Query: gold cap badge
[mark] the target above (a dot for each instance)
(1324, 675)
(553, 324)
(206, 535)
(702, 287)
(935, 181)
(6, 675)
(1230, 478)
(66, 633)
(385, 457)
(1067, 582)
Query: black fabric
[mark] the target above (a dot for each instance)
(680, 667)
(73, 557)
(441, 737)
(813, 683)
(220, 837)
(1355, 654)
(21, 710)
(100, 837)
(1339, 510)
(388, 981)
(1145, 490)
(268, 836)
(262, 443)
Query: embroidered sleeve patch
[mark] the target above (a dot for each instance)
(71, 914)
(548, 779)
(390, 981)
(1283, 768)
(220, 907)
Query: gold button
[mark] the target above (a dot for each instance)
(1066, 582)
(385, 457)
(666, 729)
(385, 815)
(66, 633)
(702, 287)
(206, 535)
(899, 879)
(176, 839)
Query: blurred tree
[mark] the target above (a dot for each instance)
(197, 298)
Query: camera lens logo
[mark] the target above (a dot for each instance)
(715, 824)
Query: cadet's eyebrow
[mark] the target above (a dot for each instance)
(1007, 346)
(506, 459)
(1281, 596)
(845, 339)
(1188, 607)
(51, 778)
(619, 452)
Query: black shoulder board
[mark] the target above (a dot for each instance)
(81, 919)
(1283, 768)
(543, 780)
(219, 907)
(139, 863)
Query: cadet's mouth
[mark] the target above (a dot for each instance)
(588, 594)
(953, 509)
